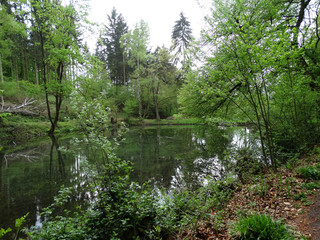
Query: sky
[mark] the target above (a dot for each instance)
(159, 14)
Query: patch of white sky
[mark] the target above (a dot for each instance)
(160, 15)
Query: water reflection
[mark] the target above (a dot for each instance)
(182, 157)
(170, 157)
(30, 176)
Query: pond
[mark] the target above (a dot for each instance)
(168, 156)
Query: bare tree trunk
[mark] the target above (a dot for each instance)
(36, 72)
(155, 91)
(124, 70)
(24, 67)
(26, 64)
(59, 98)
(16, 71)
(12, 69)
(139, 91)
(1, 71)
(1, 163)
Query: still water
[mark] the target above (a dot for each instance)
(167, 156)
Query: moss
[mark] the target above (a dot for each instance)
(143, 122)
(20, 128)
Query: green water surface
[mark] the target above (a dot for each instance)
(168, 156)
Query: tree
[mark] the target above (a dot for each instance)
(135, 45)
(110, 51)
(181, 38)
(258, 67)
(9, 29)
(162, 72)
(58, 40)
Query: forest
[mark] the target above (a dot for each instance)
(256, 64)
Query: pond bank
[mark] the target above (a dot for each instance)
(285, 195)
(280, 194)
(22, 128)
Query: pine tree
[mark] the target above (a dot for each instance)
(181, 38)
(110, 51)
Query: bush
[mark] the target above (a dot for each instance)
(261, 227)
(311, 185)
(18, 91)
(311, 173)
(131, 107)
(122, 210)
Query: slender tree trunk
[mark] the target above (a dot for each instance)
(36, 72)
(59, 94)
(1, 163)
(55, 144)
(266, 120)
(16, 71)
(12, 69)
(26, 64)
(44, 76)
(157, 109)
(124, 70)
(139, 91)
(1, 70)
(259, 125)
(155, 91)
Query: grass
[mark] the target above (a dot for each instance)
(311, 185)
(143, 122)
(310, 172)
(261, 227)
(20, 128)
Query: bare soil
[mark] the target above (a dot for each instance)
(309, 221)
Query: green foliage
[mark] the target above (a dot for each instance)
(310, 172)
(300, 196)
(56, 88)
(123, 211)
(247, 165)
(109, 49)
(260, 187)
(4, 231)
(4, 116)
(257, 72)
(185, 208)
(18, 224)
(131, 107)
(311, 185)
(17, 92)
(93, 115)
(10, 31)
(69, 226)
(261, 227)
(182, 37)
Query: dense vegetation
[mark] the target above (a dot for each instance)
(260, 64)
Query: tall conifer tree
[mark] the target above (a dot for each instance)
(110, 51)
(181, 38)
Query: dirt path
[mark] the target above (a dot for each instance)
(309, 222)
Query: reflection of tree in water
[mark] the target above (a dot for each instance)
(61, 164)
(203, 157)
(1, 163)
(177, 156)
(29, 179)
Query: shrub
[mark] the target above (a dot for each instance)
(261, 227)
(122, 210)
(311, 173)
(300, 196)
(311, 185)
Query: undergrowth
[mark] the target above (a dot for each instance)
(261, 227)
